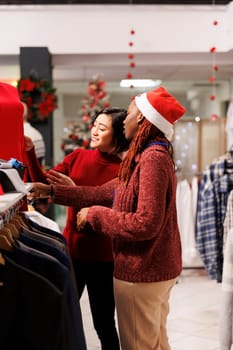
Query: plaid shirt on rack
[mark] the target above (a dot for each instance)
(213, 193)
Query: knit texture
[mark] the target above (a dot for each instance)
(143, 221)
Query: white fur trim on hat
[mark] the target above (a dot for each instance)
(152, 115)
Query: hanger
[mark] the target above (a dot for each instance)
(14, 231)
(2, 260)
(6, 232)
(22, 219)
(5, 244)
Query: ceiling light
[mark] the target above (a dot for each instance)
(140, 83)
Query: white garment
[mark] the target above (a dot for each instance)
(229, 126)
(37, 139)
(186, 200)
(42, 220)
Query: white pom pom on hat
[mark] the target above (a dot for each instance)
(161, 109)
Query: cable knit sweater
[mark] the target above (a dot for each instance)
(143, 220)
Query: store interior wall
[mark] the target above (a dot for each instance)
(171, 43)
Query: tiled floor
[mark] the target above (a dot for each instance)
(193, 319)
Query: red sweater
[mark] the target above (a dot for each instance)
(86, 168)
(143, 221)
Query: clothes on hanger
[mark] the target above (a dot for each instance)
(186, 202)
(39, 302)
(213, 191)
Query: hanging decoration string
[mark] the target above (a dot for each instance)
(214, 69)
(131, 58)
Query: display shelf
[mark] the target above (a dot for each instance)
(9, 200)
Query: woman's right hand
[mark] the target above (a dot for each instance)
(40, 190)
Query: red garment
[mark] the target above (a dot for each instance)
(11, 121)
(143, 221)
(86, 168)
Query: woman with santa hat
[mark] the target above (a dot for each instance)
(138, 211)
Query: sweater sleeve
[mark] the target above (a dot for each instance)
(34, 167)
(84, 196)
(153, 206)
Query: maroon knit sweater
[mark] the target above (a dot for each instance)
(85, 167)
(143, 221)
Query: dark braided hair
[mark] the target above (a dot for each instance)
(146, 133)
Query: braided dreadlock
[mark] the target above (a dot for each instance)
(146, 133)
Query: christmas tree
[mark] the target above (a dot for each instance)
(78, 133)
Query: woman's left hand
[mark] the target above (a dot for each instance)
(56, 178)
(82, 218)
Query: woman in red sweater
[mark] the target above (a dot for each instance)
(142, 222)
(91, 253)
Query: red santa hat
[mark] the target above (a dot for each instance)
(160, 108)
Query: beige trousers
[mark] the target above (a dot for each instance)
(142, 310)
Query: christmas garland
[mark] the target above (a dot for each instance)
(39, 96)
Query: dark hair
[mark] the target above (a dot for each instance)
(146, 134)
(118, 116)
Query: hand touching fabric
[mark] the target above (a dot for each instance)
(54, 177)
(40, 190)
(82, 218)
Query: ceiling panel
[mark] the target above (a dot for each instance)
(111, 2)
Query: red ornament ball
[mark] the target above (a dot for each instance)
(212, 79)
(130, 43)
(129, 76)
(214, 117)
(213, 49)
(215, 67)
(215, 23)
(132, 32)
(212, 97)
(130, 56)
(132, 64)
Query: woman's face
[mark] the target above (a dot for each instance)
(102, 134)
(131, 122)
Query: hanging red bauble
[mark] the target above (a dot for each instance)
(131, 86)
(130, 43)
(129, 76)
(215, 67)
(132, 32)
(130, 56)
(214, 117)
(212, 49)
(212, 79)
(132, 64)
(215, 23)
(212, 97)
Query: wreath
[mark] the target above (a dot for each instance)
(39, 96)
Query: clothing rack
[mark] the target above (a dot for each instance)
(34, 264)
(10, 204)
